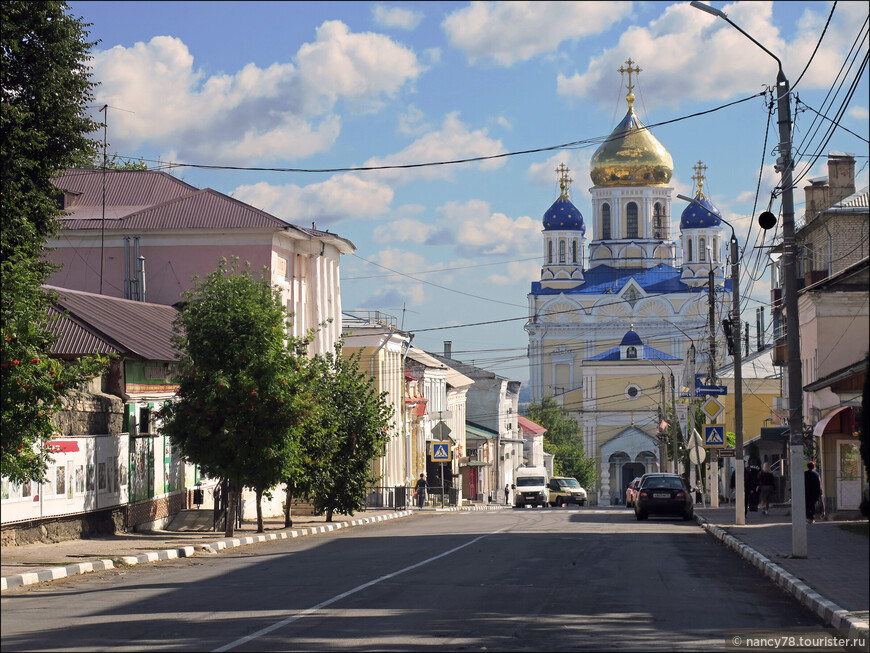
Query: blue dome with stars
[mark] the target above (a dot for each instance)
(694, 217)
(564, 216)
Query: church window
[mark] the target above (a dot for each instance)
(549, 252)
(574, 252)
(658, 218)
(689, 244)
(702, 250)
(605, 221)
(561, 251)
(715, 256)
(631, 352)
(631, 220)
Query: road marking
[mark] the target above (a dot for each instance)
(343, 595)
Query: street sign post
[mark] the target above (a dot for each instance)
(441, 431)
(726, 453)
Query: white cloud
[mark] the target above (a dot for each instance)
(667, 52)
(404, 230)
(858, 113)
(453, 141)
(285, 111)
(544, 174)
(411, 122)
(343, 197)
(396, 17)
(506, 32)
(518, 272)
(473, 230)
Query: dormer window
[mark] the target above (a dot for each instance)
(631, 352)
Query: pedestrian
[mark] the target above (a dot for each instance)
(765, 488)
(750, 487)
(507, 494)
(812, 490)
(420, 490)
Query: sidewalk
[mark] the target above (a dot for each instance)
(833, 580)
(191, 535)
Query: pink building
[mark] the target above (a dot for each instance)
(144, 235)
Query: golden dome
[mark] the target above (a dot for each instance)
(631, 155)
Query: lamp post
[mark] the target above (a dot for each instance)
(739, 493)
(792, 324)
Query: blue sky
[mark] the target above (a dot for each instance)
(326, 85)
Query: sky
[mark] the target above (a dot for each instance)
(309, 89)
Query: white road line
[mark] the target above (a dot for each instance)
(309, 611)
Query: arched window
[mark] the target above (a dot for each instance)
(561, 251)
(549, 252)
(658, 219)
(631, 352)
(574, 252)
(689, 243)
(605, 221)
(702, 249)
(631, 220)
(715, 249)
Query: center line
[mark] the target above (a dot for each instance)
(309, 611)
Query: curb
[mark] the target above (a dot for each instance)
(19, 580)
(845, 624)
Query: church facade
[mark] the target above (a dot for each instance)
(610, 319)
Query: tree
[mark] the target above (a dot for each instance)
(564, 440)
(337, 459)
(242, 398)
(46, 87)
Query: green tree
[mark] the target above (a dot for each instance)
(353, 420)
(46, 87)
(242, 399)
(564, 440)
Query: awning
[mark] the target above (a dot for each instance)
(819, 428)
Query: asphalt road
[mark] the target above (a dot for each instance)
(511, 580)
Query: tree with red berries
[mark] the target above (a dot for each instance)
(243, 402)
(46, 88)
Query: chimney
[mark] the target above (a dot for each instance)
(448, 349)
(816, 194)
(841, 176)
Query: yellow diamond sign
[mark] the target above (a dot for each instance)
(712, 408)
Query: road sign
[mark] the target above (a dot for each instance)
(726, 453)
(440, 452)
(714, 435)
(697, 455)
(441, 431)
(712, 408)
(712, 390)
(683, 418)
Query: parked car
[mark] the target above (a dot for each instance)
(631, 492)
(563, 490)
(663, 494)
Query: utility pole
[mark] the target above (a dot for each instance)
(714, 454)
(739, 471)
(674, 431)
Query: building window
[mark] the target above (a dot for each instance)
(549, 252)
(689, 244)
(632, 392)
(631, 220)
(605, 221)
(631, 352)
(715, 256)
(702, 249)
(658, 219)
(561, 251)
(574, 252)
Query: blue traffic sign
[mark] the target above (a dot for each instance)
(714, 435)
(712, 390)
(441, 452)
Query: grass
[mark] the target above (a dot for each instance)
(859, 527)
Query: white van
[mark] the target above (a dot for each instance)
(530, 487)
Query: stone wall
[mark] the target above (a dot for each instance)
(91, 413)
(69, 527)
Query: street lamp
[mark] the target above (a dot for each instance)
(792, 325)
(739, 494)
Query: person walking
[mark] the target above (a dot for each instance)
(420, 490)
(812, 490)
(765, 487)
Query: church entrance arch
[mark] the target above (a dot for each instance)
(618, 461)
(631, 471)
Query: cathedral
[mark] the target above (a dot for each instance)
(613, 317)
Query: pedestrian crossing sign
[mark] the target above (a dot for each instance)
(714, 435)
(440, 452)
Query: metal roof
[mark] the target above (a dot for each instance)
(111, 325)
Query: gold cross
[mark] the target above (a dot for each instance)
(622, 70)
(564, 179)
(698, 177)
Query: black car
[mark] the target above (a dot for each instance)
(663, 494)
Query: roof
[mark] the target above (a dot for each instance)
(467, 369)
(855, 203)
(476, 431)
(758, 365)
(644, 353)
(97, 323)
(528, 426)
(454, 378)
(145, 199)
(563, 216)
(603, 279)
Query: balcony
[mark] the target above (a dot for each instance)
(814, 276)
